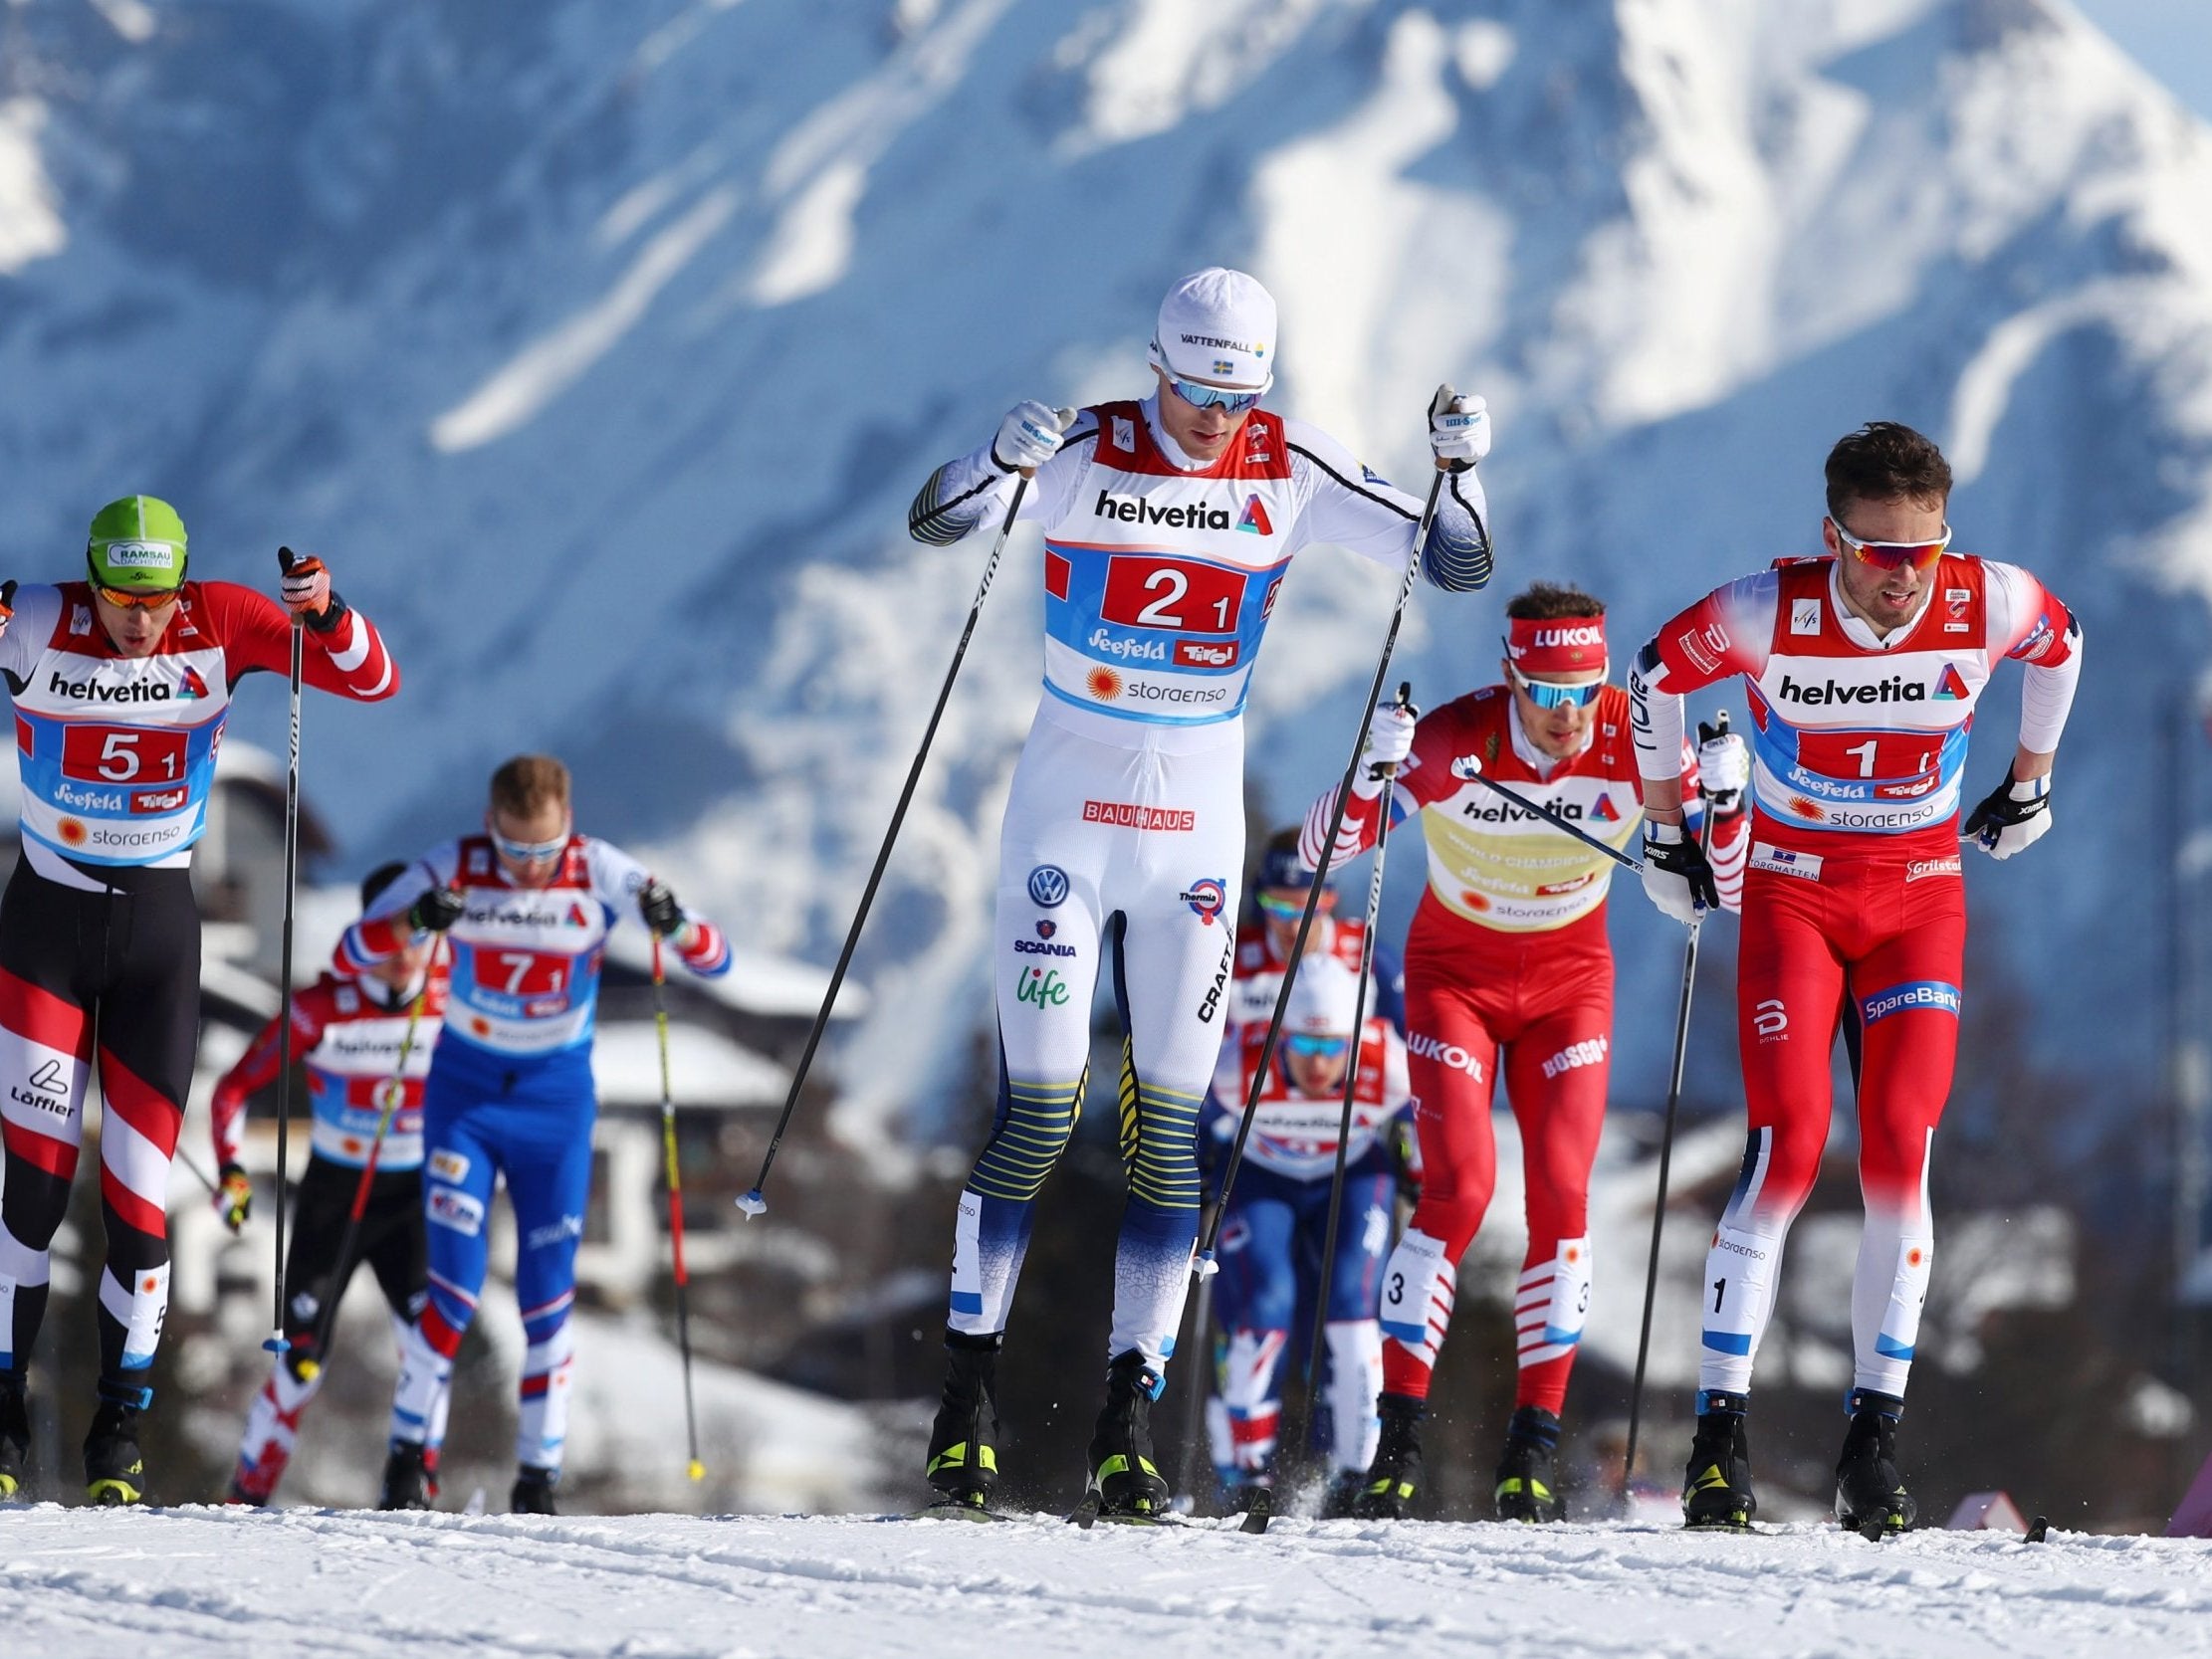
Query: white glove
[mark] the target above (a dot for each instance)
(1458, 428)
(1723, 770)
(2011, 818)
(1678, 877)
(1028, 437)
(1390, 739)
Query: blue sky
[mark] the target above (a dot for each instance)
(2172, 37)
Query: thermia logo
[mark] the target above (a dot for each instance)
(1892, 690)
(1135, 510)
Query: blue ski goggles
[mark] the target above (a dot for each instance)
(1308, 1045)
(1546, 693)
(528, 852)
(1199, 395)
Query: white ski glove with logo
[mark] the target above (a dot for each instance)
(1390, 739)
(1028, 437)
(1458, 428)
(1723, 768)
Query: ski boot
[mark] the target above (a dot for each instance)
(1395, 1476)
(533, 1490)
(1341, 1501)
(114, 1474)
(1527, 1488)
(1716, 1488)
(15, 1435)
(1124, 1482)
(407, 1484)
(963, 1464)
(1870, 1499)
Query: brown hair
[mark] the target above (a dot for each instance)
(1886, 462)
(1551, 603)
(529, 784)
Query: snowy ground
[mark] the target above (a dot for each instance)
(186, 1583)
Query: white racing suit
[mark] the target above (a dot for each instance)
(1124, 834)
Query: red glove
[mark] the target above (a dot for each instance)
(306, 591)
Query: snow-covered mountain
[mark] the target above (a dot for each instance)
(600, 347)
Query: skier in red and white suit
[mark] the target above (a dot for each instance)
(1508, 955)
(1863, 669)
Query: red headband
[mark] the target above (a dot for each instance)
(1560, 645)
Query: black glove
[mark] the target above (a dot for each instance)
(659, 908)
(436, 911)
(1677, 874)
(2011, 818)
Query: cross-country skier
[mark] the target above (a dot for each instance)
(1169, 524)
(527, 906)
(1272, 1234)
(1863, 667)
(122, 685)
(1508, 956)
(1264, 942)
(361, 1038)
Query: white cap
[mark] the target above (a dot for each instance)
(1325, 998)
(1217, 325)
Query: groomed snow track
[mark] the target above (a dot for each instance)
(192, 1581)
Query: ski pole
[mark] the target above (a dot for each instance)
(1467, 767)
(1204, 1263)
(276, 1343)
(1193, 1414)
(1665, 1156)
(754, 1202)
(1343, 1121)
(184, 1158)
(396, 1092)
(694, 1467)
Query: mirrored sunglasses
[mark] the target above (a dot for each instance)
(1895, 556)
(1201, 396)
(124, 598)
(1315, 1046)
(528, 851)
(1289, 910)
(1546, 694)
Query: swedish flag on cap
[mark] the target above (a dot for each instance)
(137, 542)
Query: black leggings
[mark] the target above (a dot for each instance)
(390, 1241)
(120, 970)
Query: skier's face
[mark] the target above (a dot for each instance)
(406, 966)
(547, 828)
(135, 629)
(1280, 910)
(1318, 1074)
(1560, 732)
(1201, 434)
(1889, 595)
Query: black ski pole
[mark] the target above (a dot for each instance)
(1666, 1152)
(1468, 767)
(1203, 1263)
(755, 1201)
(1257, 1520)
(276, 1343)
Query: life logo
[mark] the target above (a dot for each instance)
(1048, 887)
(1256, 521)
(1206, 897)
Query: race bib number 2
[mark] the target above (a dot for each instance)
(1187, 595)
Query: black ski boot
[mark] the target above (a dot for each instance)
(15, 1435)
(1717, 1488)
(1870, 1499)
(1342, 1500)
(1527, 1487)
(1395, 1476)
(963, 1462)
(406, 1478)
(534, 1490)
(1124, 1480)
(113, 1472)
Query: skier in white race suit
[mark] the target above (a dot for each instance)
(1170, 523)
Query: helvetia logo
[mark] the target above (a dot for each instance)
(1604, 811)
(1135, 510)
(1950, 684)
(1892, 690)
(191, 685)
(1256, 521)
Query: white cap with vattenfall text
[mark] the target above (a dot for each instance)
(1217, 325)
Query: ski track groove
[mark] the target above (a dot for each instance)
(493, 1586)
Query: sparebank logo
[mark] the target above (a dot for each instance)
(1933, 996)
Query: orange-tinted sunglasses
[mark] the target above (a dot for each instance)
(1895, 556)
(124, 599)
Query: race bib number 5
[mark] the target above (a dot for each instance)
(121, 754)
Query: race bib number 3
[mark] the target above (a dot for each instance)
(1149, 591)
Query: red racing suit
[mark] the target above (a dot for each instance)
(1509, 954)
(1858, 744)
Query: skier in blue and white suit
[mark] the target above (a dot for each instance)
(1169, 525)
